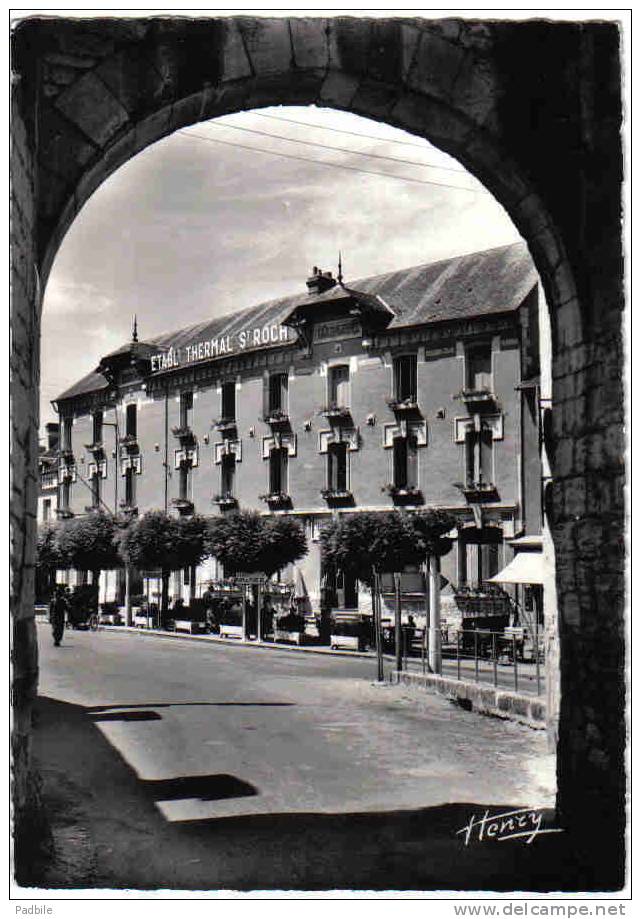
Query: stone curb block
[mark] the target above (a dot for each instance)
(527, 710)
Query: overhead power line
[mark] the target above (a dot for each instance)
(323, 127)
(304, 159)
(311, 143)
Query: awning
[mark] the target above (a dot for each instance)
(525, 568)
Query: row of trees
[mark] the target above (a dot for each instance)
(242, 542)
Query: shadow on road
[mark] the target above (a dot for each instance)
(138, 705)
(109, 833)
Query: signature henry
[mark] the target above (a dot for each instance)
(520, 824)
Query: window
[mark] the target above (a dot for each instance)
(97, 427)
(65, 494)
(478, 366)
(277, 394)
(95, 489)
(405, 388)
(405, 461)
(337, 478)
(228, 401)
(131, 420)
(67, 425)
(227, 475)
(184, 481)
(339, 386)
(130, 487)
(278, 471)
(478, 457)
(46, 510)
(186, 409)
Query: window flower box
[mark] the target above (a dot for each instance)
(478, 491)
(184, 434)
(334, 412)
(225, 500)
(404, 494)
(478, 398)
(277, 418)
(183, 505)
(337, 496)
(97, 448)
(225, 425)
(129, 442)
(407, 406)
(277, 500)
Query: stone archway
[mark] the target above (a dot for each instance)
(533, 110)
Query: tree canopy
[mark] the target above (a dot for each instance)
(157, 540)
(244, 541)
(383, 541)
(89, 543)
(48, 554)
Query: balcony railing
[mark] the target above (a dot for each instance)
(64, 513)
(66, 454)
(97, 448)
(277, 500)
(49, 480)
(127, 509)
(183, 505)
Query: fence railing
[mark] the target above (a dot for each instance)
(512, 659)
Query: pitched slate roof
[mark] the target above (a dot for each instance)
(463, 287)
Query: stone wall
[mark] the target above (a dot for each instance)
(533, 110)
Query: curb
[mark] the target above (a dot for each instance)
(236, 643)
(528, 710)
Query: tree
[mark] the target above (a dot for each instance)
(49, 558)
(89, 543)
(157, 540)
(244, 541)
(370, 543)
(363, 544)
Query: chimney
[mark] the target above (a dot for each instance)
(320, 281)
(52, 432)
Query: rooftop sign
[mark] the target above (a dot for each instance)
(208, 349)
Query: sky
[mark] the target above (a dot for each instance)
(198, 225)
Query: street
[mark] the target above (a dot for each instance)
(180, 764)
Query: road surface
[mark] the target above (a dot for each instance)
(182, 764)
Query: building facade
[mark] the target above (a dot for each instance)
(413, 389)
